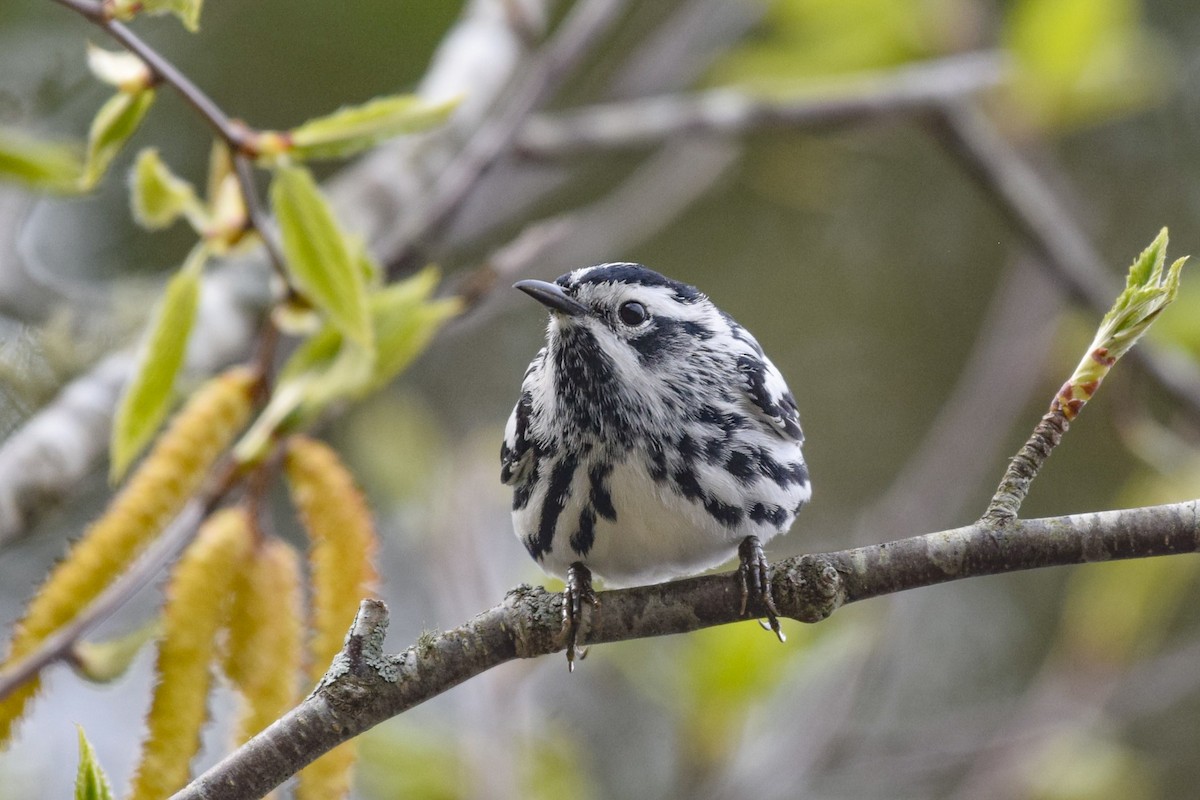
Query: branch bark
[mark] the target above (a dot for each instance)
(364, 686)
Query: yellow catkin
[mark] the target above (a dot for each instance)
(343, 543)
(197, 607)
(171, 472)
(266, 636)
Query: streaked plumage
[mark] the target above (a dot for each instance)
(652, 434)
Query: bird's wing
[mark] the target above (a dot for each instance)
(768, 396)
(516, 452)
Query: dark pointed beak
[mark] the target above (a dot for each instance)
(552, 296)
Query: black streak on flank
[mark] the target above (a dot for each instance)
(688, 448)
(600, 497)
(728, 423)
(509, 457)
(791, 416)
(583, 539)
(556, 498)
(783, 475)
(689, 485)
(740, 465)
(658, 462)
(768, 514)
(723, 513)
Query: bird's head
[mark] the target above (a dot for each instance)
(637, 318)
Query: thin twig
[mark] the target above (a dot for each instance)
(234, 134)
(257, 216)
(647, 121)
(1025, 465)
(164, 71)
(575, 37)
(807, 588)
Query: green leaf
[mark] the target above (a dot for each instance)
(115, 122)
(280, 415)
(39, 164)
(90, 781)
(320, 258)
(1148, 290)
(403, 329)
(327, 367)
(372, 271)
(315, 353)
(403, 320)
(102, 662)
(352, 129)
(158, 196)
(188, 11)
(120, 68)
(147, 398)
(1147, 265)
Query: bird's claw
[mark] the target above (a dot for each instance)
(755, 578)
(577, 592)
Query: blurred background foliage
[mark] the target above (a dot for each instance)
(868, 264)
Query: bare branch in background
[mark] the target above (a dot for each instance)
(61, 445)
(543, 76)
(657, 192)
(736, 112)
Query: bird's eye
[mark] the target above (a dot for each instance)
(632, 313)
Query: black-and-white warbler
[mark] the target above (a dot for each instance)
(653, 439)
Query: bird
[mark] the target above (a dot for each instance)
(652, 439)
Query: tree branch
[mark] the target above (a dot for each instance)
(365, 687)
(1025, 465)
(235, 135)
(648, 121)
(162, 69)
(576, 35)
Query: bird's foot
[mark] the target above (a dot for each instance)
(753, 572)
(578, 591)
